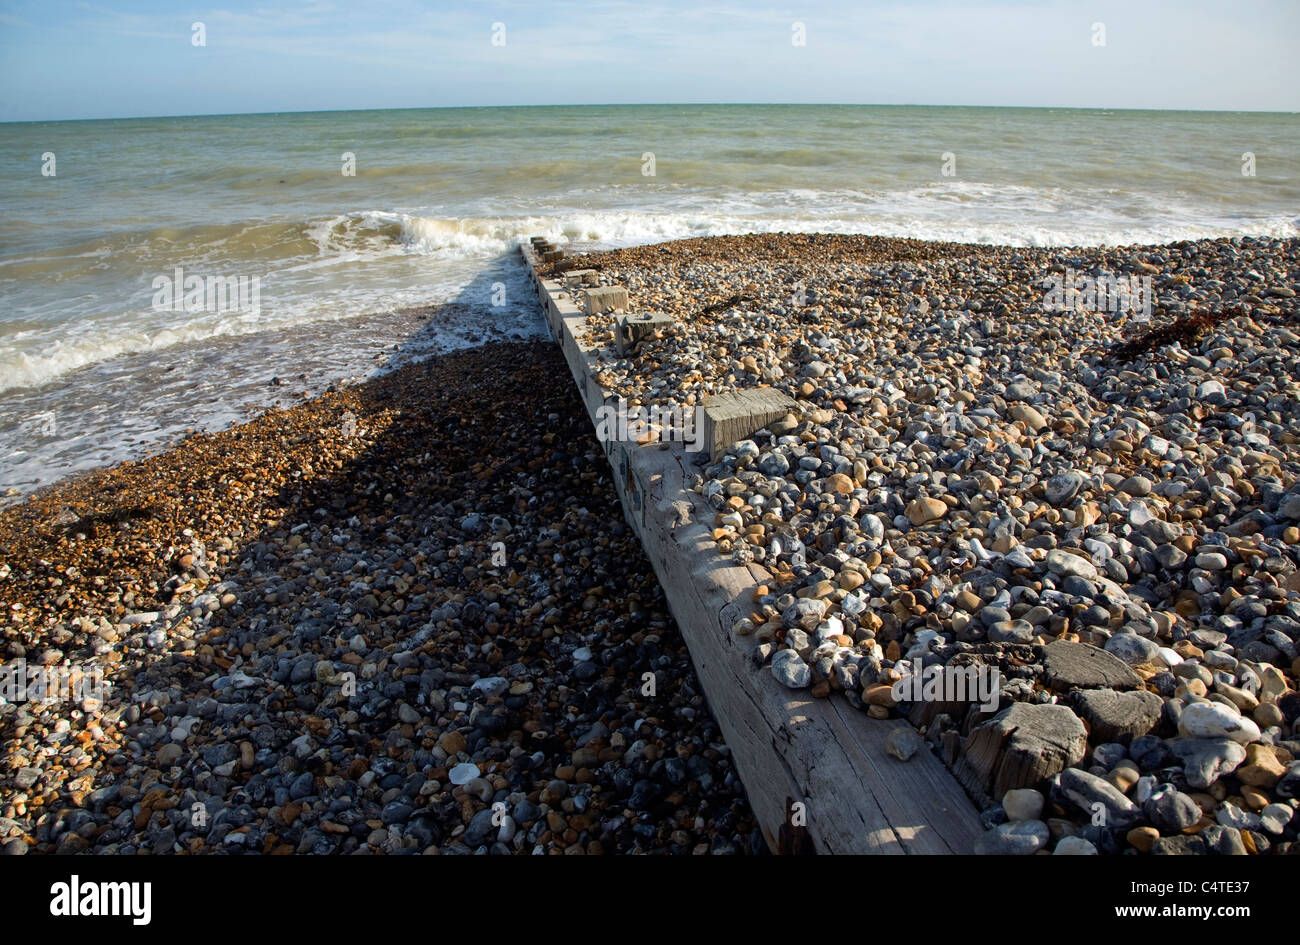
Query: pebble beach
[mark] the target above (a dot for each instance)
(404, 617)
(407, 617)
(1101, 505)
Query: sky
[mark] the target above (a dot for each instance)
(64, 60)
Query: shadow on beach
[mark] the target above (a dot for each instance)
(403, 617)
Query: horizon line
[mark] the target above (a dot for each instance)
(414, 108)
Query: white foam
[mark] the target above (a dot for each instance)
(35, 358)
(958, 213)
(363, 257)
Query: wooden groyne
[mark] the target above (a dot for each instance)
(789, 747)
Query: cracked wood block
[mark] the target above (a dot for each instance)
(737, 414)
(1068, 666)
(551, 256)
(580, 277)
(630, 329)
(607, 298)
(1019, 747)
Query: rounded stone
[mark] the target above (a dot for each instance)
(790, 670)
(925, 509)
(1216, 720)
(1023, 804)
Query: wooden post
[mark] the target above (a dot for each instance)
(629, 329)
(606, 298)
(738, 414)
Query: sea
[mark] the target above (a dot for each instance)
(161, 276)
